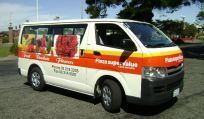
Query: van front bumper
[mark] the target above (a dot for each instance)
(158, 91)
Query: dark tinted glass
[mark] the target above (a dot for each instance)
(111, 35)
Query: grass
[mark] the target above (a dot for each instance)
(4, 51)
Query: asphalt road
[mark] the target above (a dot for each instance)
(19, 101)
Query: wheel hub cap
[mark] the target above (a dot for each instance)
(106, 96)
(35, 78)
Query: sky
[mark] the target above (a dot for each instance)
(18, 11)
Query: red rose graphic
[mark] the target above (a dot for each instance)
(73, 46)
(66, 45)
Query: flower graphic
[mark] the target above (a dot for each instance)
(31, 48)
(59, 45)
(27, 42)
(66, 45)
(41, 44)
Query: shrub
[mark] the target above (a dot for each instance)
(14, 48)
(200, 37)
(5, 39)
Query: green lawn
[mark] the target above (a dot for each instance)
(4, 51)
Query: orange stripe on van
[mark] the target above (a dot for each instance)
(125, 62)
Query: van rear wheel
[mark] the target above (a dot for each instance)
(36, 79)
(111, 97)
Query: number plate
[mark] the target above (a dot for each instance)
(176, 92)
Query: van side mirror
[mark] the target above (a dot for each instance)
(129, 45)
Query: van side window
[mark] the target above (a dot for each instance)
(43, 40)
(36, 39)
(28, 39)
(79, 31)
(111, 35)
(66, 43)
(68, 31)
(75, 29)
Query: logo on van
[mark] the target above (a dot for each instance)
(61, 60)
(174, 59)
(42, 58)
(126, 64)
(26, 55)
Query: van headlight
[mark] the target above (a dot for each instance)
(154, 72)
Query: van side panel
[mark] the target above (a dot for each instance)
(25, 63)
(123, 66)
(59, 70)
(131, 83)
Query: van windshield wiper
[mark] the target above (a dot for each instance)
(155, 45)
(171, 44)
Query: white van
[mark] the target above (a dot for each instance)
(116, 60)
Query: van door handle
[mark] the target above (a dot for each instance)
(97, 53)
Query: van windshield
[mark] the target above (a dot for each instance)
(149, 35)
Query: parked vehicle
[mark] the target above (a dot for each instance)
(112, 59)
(182, 40)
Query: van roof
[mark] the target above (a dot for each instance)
(80, 20)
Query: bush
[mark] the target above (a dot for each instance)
(14, 48)
(200, 37)
(5, 39)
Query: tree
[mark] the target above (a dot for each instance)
(98, 8)
(189, 31)
(135, 9)
(200, 19)
(142, 9)
(174, 28)
(200, 15)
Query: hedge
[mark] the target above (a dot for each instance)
(200, 37)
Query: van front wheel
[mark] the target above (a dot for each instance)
(36, 79)
(111, 97)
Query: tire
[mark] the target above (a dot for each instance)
(36, 79)
(111, 97)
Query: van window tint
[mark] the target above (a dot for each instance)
(111, 35)
(68, 31)
(75, 29)
(79, 31)
(71, 29)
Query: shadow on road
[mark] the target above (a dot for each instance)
(193, 51)
(69, 93)
(148, 110)
(129, 108)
